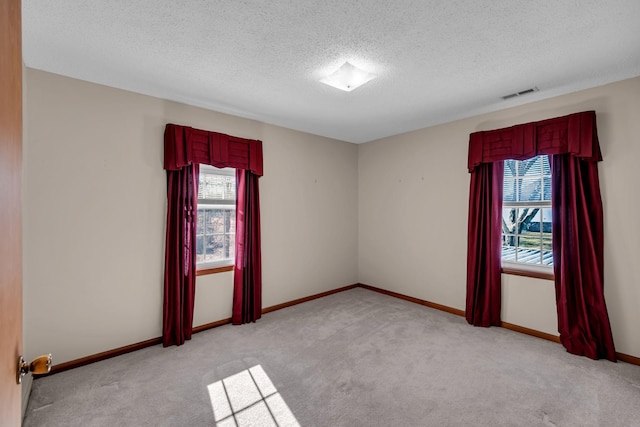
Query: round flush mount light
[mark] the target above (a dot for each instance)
(347, 78)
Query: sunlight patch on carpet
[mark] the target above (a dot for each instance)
(249, 398)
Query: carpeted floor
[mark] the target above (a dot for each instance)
(356, 358)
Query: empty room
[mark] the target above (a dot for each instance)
(320, 213)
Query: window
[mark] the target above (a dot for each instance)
(526, 213)
(216, 228)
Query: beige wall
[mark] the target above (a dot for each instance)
(94, 212)
(413, 199)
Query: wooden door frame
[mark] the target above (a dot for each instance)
(10, 210)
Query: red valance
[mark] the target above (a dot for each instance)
(575, 134)
(184, 145)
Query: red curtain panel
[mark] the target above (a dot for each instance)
(483, 248)
(578, 260)
(247, 283)
(180, 257)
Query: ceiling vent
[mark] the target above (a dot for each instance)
(522, 92)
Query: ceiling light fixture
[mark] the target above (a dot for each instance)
(347, 78)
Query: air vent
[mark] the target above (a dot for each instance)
(522, 92)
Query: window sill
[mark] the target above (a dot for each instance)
(213, 270)
(527, 273)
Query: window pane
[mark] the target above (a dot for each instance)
(530, 189)
(209, 219)
(509, 220)
(217, 245)
(529, 250)
(217, 221)
(530, 240)
(509, 190)
(509, 168)
(530, 218)
(216, 187)
(525, 217)
(508, 248)
(530, 167)
(531, 224)
(208, 247)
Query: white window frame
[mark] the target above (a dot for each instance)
(525, 266)
(227, 204)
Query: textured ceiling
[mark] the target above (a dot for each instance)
(436, 61)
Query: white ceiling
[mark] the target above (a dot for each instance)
(436, 61)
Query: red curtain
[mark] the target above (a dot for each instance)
(572, 141)
(180, 257)
(483, 249)
(578, 260)
(185, 148)
(247, 283)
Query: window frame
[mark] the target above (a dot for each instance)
(522, 268)
(211, 267)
